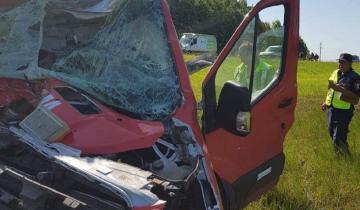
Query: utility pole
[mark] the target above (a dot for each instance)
(320, 50)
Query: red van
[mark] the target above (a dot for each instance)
(97, 110)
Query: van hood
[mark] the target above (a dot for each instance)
(117, 51)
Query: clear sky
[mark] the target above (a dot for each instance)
(334, 23)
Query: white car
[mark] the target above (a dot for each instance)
(272, 51)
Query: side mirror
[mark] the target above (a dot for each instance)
(233, 111)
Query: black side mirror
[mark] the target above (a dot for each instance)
(233, 111)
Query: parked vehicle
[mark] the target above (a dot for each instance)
(191, 42)
(97, 111)
(272, 51)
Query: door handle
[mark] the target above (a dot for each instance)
(285, 103)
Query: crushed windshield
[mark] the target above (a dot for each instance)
(115, 50)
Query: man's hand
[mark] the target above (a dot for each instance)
(336, 87)
(324, 107)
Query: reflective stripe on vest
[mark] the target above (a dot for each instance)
(334, 96)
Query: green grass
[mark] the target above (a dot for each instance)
(190, 56)
(313, 178)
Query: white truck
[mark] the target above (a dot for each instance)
(191, 42)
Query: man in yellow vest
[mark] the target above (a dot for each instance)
(342, 95)
(264, 73)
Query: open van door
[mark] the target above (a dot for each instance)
(249, 101)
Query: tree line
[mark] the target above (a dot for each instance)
(215, 17)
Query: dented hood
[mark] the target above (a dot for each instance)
(115, 50)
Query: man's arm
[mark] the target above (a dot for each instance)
(353, 100)
(346, 95)
(327, 102)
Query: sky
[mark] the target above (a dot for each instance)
(334, 23)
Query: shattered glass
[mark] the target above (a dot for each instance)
(20, 36)
(115, 50)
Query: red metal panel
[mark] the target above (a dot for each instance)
(104, 133)
(188, 112)
(234, 156)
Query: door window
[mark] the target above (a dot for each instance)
(255, 60)
(238, 64)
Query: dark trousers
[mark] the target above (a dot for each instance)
(338, 125)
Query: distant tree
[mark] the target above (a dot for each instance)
(264, 26)
(276, 24)
(270, 34)
(219, 18)
(316, 57)
(215, 17)
(303, 49)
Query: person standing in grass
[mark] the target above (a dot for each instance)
(342, 95)
(264, 73)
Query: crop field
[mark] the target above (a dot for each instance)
(313, 178)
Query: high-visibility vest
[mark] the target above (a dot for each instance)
(263, 75)
(333, 97)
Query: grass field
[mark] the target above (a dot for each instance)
(313, 178)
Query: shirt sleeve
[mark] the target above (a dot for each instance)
(330, 92)
(329, 96)
(356, 87)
